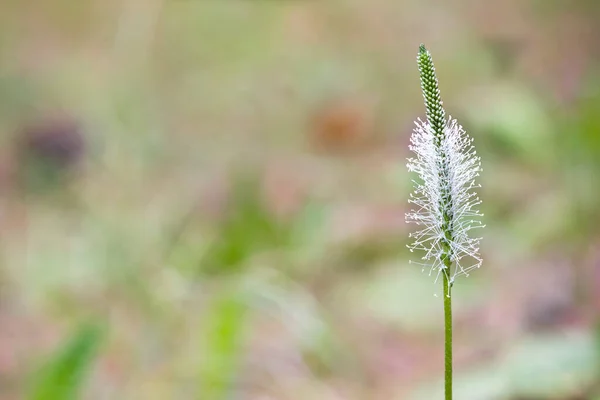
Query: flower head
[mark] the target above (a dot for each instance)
(444, 200)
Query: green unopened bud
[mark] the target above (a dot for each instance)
(434, 106)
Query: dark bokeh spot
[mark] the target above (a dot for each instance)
(48, 153)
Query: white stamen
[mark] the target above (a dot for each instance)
(446, 188)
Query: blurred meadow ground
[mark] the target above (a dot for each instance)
(204, 199)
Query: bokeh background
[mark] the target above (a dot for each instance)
(204, 199)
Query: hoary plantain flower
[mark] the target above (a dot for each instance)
(445, 202)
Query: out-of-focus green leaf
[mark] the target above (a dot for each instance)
(515, 119)
(249, 228)
(579, 154)
(62, 377)
(221, 345)
(556, 366)
(389, 296)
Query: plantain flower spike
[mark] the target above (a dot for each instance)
(444, 202)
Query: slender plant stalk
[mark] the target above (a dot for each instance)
(447, 339)
(447, 165)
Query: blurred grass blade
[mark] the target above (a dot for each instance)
(222, 340)
(62, 376)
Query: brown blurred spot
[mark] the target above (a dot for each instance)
(343, 125)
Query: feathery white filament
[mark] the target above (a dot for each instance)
(444, 200)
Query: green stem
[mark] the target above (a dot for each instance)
(447, 333)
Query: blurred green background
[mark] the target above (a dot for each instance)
(204, 199)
